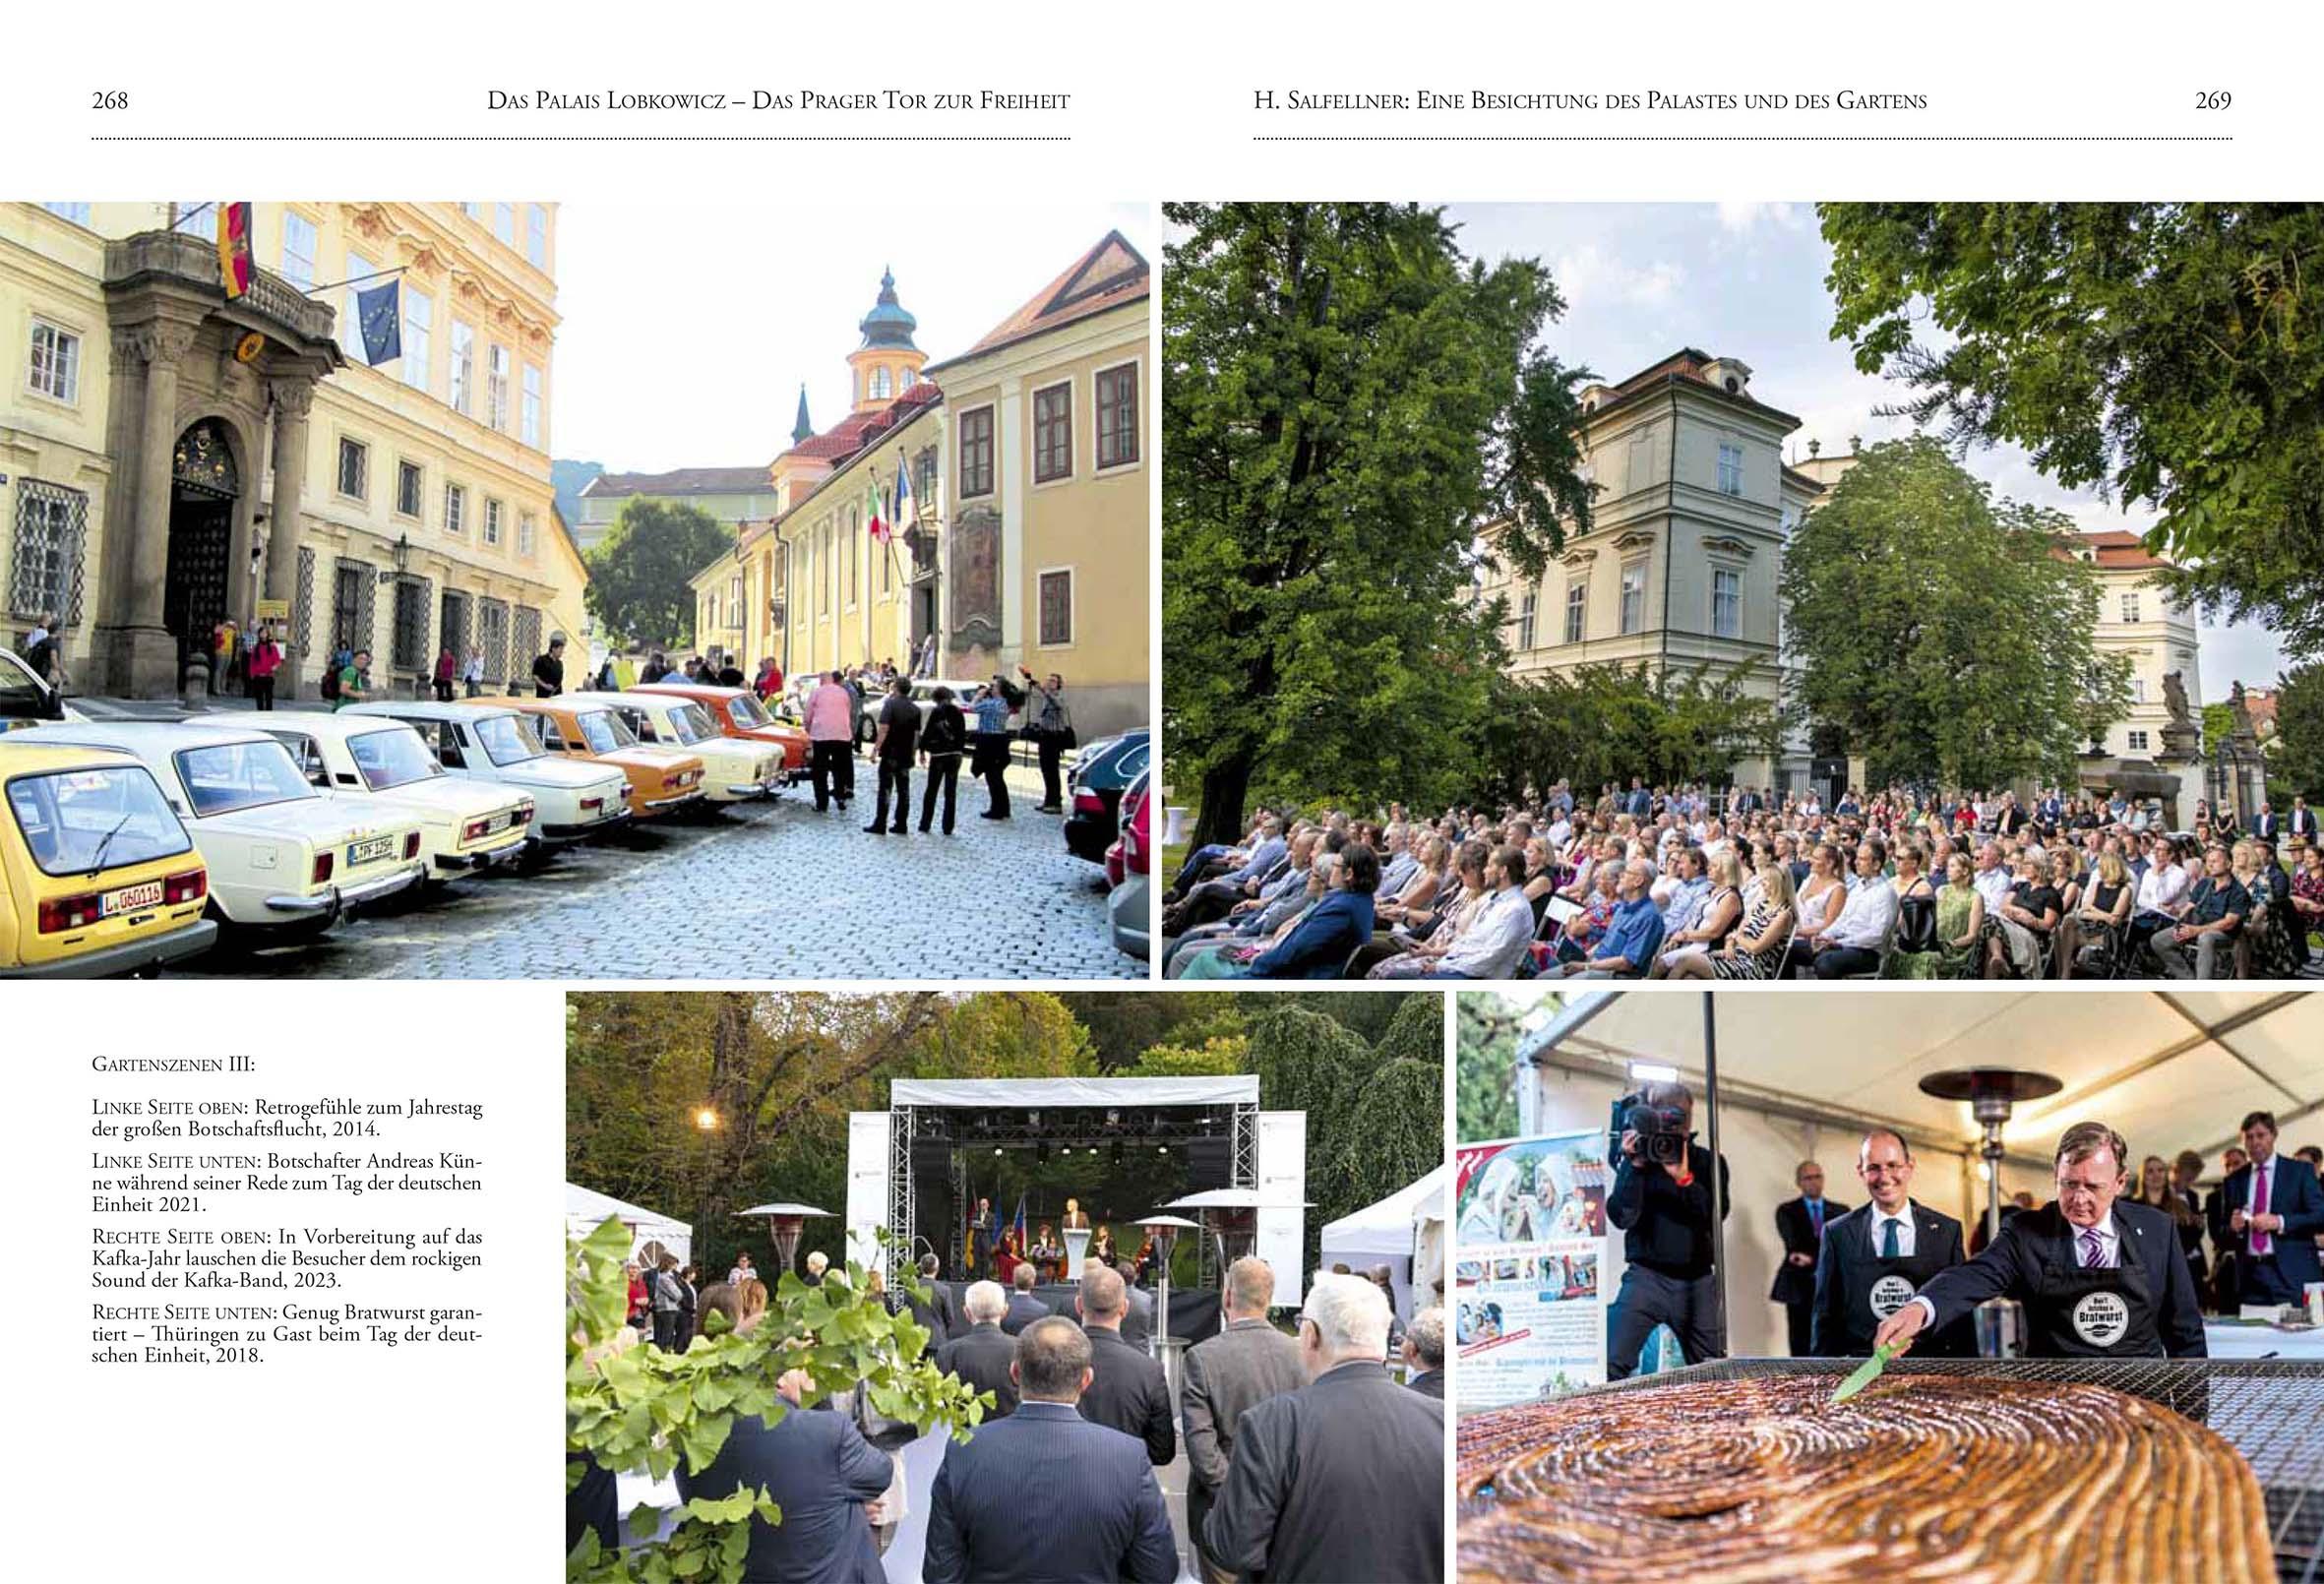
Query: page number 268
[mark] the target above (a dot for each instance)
(2213, 98)
(109, 98)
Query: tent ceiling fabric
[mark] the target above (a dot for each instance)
(1868, 1050)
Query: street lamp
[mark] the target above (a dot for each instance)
(783, 1225)
(1163, 1230)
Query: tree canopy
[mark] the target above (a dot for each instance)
(1607, 722)
(1943, 632)
(2170, 354)
(1347, 402)
(640, 572)
(2298, 759)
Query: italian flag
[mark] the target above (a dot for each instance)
(875, 524)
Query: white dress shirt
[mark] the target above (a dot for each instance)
(1994, 885)
(1864, 921)
(2161, 887)
(1905, 1241)
(1496, 937)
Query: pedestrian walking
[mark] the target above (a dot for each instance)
(447, 668)
(941, 738)
(548, 670)
(894, 744)
(830, 732)
(770, 681)
(991, 758)
(472, 674)
(266, 658)
(354, 681)
(44, 651)
(1048, 724)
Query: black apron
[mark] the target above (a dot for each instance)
(2078, 1314)
(1873, 1288)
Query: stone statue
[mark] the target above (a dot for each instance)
(2242, 710)
(2174, 696)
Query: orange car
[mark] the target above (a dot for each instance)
(661, 780)
(737, 712)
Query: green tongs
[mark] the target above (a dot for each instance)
(1866, 1373)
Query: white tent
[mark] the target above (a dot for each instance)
(1388, 1234)
(586, 1210)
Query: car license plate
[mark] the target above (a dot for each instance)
(363, 852)
(498, 822)
(131, 896)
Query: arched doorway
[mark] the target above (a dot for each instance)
(204, 485)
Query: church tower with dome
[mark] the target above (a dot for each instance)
(888, 363)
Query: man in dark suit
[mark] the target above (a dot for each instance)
(1138, 1312)
(828, 1480)
(2100, 1275)
(1128, 1392)
(1023, 1308)
(1045, 1494)
(1247, 1363)
(940, 1298)
(1423, 1354)
(2277, 1207)
(982, 1354)
(1343, 1479)
(925, 1308)
(1876, 1258)
(1800, 1227)
(2302, 821)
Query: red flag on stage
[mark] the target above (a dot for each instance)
(233, 247)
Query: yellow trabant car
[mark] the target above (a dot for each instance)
(734, 770)
(98, 876)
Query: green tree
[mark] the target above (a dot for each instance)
(2218, 724)
(1348, 402)
(1485, 1089)
(2170, 354)
(1930, 623)
(640, 571)
(2297, 756)
(1607, 722)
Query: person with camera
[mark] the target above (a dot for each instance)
(1661, 1199)
(1877, 1257)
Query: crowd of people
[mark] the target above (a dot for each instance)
(1306, 1459)
(1678, 882)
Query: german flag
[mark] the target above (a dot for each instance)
(233, 247)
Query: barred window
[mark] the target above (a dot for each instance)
(55, 370)
(354, 468)
(526, 640)
(492, 637)
(413, 597)
(45, 562)
(1053, 433)
(1117, 416)
(352, 585)
(976, 453)
(408, 484)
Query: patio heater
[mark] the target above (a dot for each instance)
(784, 1222)
(1992, 1093)
(1164, 1230)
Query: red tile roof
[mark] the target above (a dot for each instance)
(2112, 550)
(1108, 275)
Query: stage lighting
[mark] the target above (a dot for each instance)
(996, 1149)
(1161, 1149)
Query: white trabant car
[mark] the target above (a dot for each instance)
(463, 825)
(281, 856)
(733, 770)
(572, 798)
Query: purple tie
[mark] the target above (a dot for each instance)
(2094, 1252)
(2261, 1243)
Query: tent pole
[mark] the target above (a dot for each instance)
(1710, 1078)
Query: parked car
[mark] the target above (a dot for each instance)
(463, 825)
(571, 799)
(1129, 906)
(923, 695)
(1093, 793)
(738, 712)
(98, 876)
(282, 858)
(738, 770)
(662, 780)
(26, 700)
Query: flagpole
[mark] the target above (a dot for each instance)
(333, 285)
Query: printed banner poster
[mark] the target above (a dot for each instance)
(1529, 1241)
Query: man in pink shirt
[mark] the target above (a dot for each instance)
(831, 731)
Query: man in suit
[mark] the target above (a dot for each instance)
(1874, 1259)
(1247, 1363)
(1800, 1227)
(828, 1478)
(2100, 1275)
(1138, 1312)
(929, 1309)
(1023, 1308)
(1423, 1354)
(1127, 1391)
(982, 1354)
(2277, 1207)
(2302, 821)
(1343, 1479)
(939, 1300)
(1045, 1494)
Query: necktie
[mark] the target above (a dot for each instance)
(1888, 1239)
(2094, 1252)
(1815, 1216)
(2261, 1243)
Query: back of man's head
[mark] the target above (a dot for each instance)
(1052, 1360)
(1023, 1277)
(1351, 1320)
(1424, 1338)
(930, 1266)
(1102, 1296)
(985, 1301)
(1250, 1287)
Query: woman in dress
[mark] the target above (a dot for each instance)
(1960, 920)
(1918, 933)
(2094, 923)
(1754, 950)
(2307, 896)
(1819, 902)
(1722, 912)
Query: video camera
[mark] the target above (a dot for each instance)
(1663, 1134)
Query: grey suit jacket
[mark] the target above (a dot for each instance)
(1127, 1392)
(981, 1355)
(1340, 1480)
(1247, 1363)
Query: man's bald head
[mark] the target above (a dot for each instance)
(1023, 1277)
(1102, 1296)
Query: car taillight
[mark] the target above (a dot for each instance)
(671, 783)
(189, 886)
(320, 874)
(524, 814)
(1088, 803)
(592, 803)
(474, 828)
(411, 846)
(70, 912)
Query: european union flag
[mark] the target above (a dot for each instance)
(380, 311)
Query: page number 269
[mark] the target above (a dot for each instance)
(109, 98)
(2213, 98)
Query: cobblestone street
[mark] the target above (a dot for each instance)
(771, 891)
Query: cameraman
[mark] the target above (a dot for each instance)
(1664, 1213)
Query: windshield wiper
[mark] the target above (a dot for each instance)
(97, 862)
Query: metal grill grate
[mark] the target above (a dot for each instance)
(2271, 1412)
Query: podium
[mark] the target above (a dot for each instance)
(1077, 1244)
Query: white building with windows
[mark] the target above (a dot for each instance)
(2137, 619)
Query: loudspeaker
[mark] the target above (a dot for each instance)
(1210, 1164)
